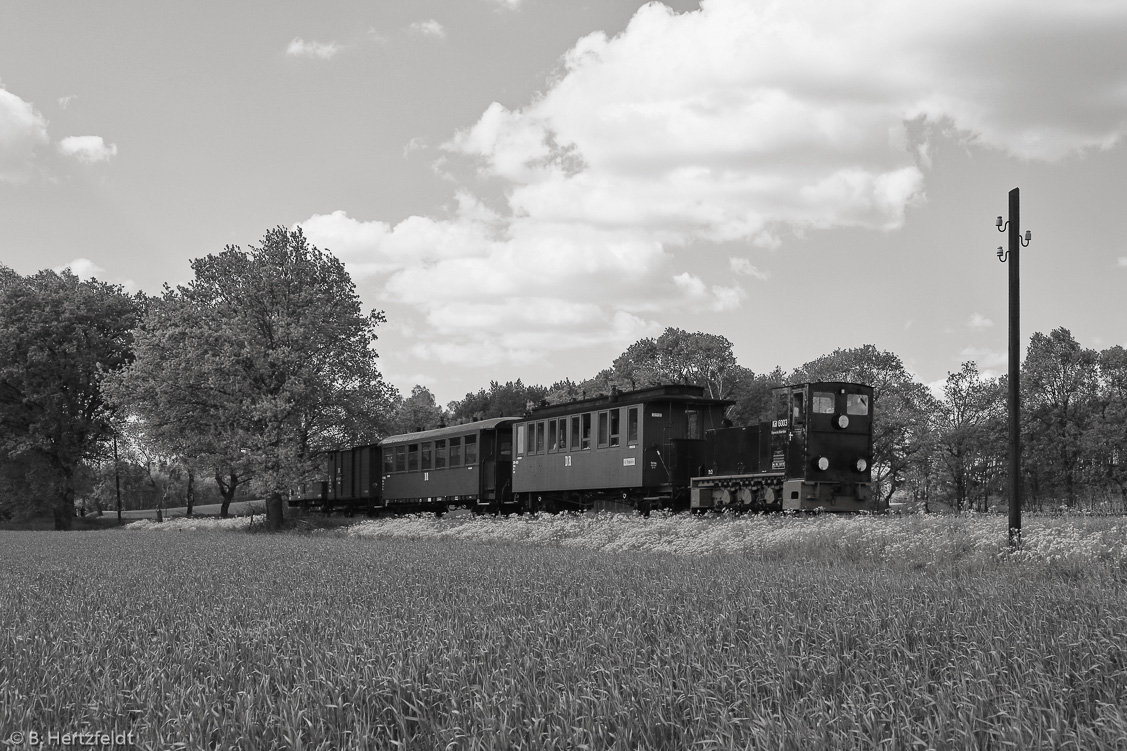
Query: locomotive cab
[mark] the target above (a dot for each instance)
(823, 438)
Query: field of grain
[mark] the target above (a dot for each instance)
(571, 632)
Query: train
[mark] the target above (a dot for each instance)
(661, 447)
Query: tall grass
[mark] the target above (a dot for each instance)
(446, 640)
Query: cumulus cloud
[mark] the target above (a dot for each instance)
(979, 321)
(430, 28)
(738, 122)
(88, 149)
(316, 50)
(83, 268)
(22, 131)
(744, 267)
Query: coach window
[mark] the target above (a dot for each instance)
(632, 426)
(575, 434)
(562, 438)
(551, 436)
(413, 457)
(822, 403)
(388, 461)
(455, 452)
(530, 445)
(521, 430)
(400, 458)
(603, 430)
(857, 404)
(586, 431)
(440, 454)
(614, 425)
(539, 438)
(470, 445)
(692, 423)
(427, 452)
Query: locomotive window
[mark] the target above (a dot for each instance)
(470, 445)
(798, 414)
(551, 436)
(562, 445)
(692, 419)
(782, 407)
(632, 425)
(522, 430)
(539, 438)
(400, 458)
(602, 429)
(413, 457)
(586, 433)
(427, 452)
(857, 404)
(614, 424)
(822, 403)
(575, 433)
(440, 454)
(455, 452)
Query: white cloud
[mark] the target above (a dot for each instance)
(744, 267)
(88, 149)
(430, 28)
(83, 268)
(986, 359)
(64, 101)
(979, 321)
(1122, 262)
(22, 131)
(509, 4)
(317, 50)
(737, 122)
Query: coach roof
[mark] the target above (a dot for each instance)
(454, 431)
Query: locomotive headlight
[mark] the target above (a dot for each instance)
(841, 421)
(823, 463)
(862, 465)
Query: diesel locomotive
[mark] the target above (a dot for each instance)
(660, 447)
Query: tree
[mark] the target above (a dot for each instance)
(1059, 384)
(502, 400)
(417, 412)
(679, 357)
(59, 337)
(262, 361)
(1107, 438)
(970, 431)
(901, 408)
(754, 395)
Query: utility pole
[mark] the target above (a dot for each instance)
(1016, 242)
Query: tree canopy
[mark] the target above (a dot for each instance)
(262, 360)
(59, 338)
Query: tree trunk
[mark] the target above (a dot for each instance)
(275, 511)
(227, 490)
(64, 506)
(190, 493)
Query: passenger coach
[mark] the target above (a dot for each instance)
(634, 449)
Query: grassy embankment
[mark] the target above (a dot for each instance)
(614, 632)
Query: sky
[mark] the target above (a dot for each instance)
(527, 187)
